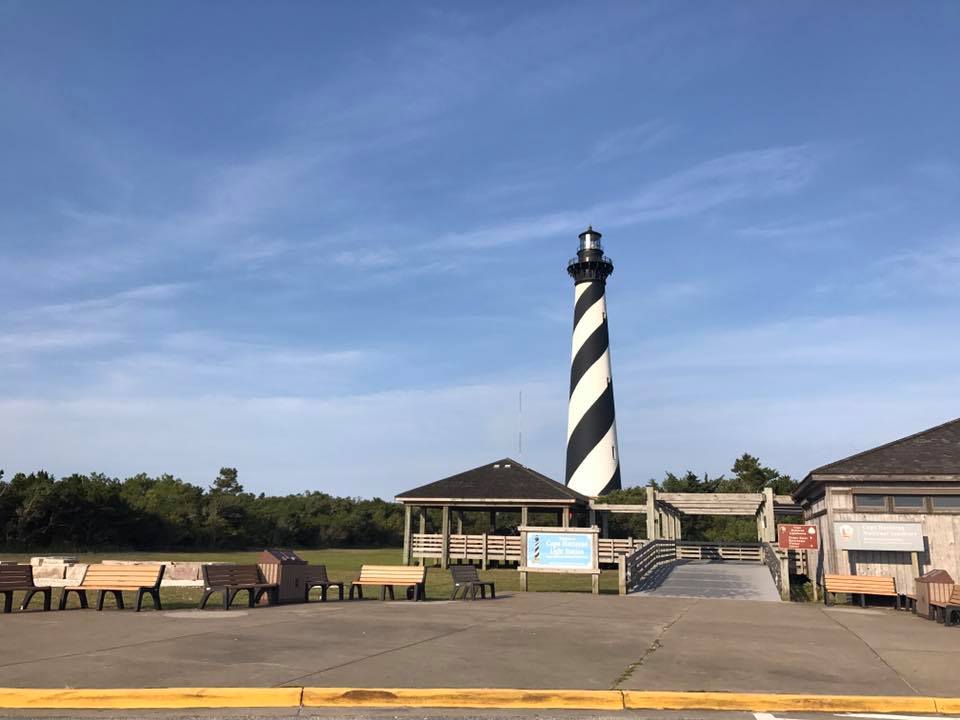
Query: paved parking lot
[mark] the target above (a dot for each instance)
(532, 640)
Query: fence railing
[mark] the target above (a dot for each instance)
(742, 552)
(503, 548)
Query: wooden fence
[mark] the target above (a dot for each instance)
(502, 548)
(742, 552)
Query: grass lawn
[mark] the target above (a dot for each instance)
(342, 564)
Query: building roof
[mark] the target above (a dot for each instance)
(502, 481)
(925, 455)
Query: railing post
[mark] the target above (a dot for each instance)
(484, 560)
(784, 577)
(622, 574)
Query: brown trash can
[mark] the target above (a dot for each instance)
(288, 570)
(933, 585)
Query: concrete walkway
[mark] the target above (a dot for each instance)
(715, 579)
(526, 640)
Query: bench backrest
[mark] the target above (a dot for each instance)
(464, 573)
(123, 577)
(220, 575)
(861, 584)
(317, 574)
(16, 576)
(392, 574)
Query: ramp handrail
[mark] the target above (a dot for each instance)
(778, 563)
(638, 570)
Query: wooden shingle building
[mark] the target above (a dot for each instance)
(872, 506)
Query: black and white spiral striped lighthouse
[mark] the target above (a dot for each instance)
(593, 461)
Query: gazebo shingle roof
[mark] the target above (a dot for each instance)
(504, 479)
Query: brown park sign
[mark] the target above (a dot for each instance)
(797, 537)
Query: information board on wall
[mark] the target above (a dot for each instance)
(892, 536)
(798, 537)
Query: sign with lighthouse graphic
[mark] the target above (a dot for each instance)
(570, 550)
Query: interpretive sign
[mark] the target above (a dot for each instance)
(569, 551)
(894, 536)
(798, 537)
(560, 550)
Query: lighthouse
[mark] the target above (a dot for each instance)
(593, 460)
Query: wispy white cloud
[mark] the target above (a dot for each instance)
(631, 141)
(751, 175)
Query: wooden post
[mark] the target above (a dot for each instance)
(595, 583)
(483, 563)
(651, 513)
(915, 563)
(445, 548)
(407, 532)
(622, 574)
(524, 516)
(523, 581)
(423, 531)
(459, 522)
(785, 576)
(565, 517)
(679, 532)
(493, 521)
(593, 518)
(769, 519)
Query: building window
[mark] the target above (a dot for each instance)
(870, 503)
(946, 503)
(908, 503)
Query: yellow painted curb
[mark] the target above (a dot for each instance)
(148, 698)
(948, 706)
(477, 698)
(464, 698)
(771, 702)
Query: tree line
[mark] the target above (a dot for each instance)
(95, 512)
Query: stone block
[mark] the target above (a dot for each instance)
(52, 571)
(75, 573)
(182, 571)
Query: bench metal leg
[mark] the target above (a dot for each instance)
(228, 597)
(154, 595)
(7, 601)
(493, 591)
(81, 596)
(206, 596)
(46, 592)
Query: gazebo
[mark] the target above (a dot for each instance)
(501, 486)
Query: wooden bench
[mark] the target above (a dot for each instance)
(234, 579)
(116, 579)
(317, 577)
(947, 611)
(467, 579)
(14, 578)
(386, 576)
(862, 585)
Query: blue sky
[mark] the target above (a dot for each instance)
(326, 243)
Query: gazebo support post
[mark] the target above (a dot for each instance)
(592, 519)
(445, 548)
(524, 516)
(565, 517)
(423, 530)
(459, 522)
(407, 532)
(651, 513)
(769, 520)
